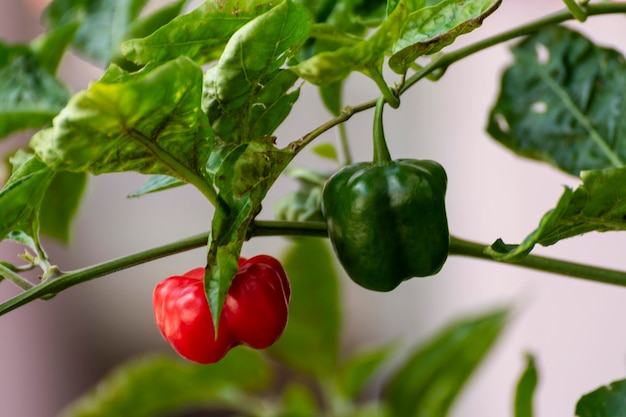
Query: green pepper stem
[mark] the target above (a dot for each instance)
(271, 228)
(381, 151)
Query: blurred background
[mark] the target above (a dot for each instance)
(53, 351)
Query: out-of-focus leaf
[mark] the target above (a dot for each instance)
(157, 183)
(355, 374)
(51, 46)
(304, 204)
(430, 380)
(103, 24)
(149, 122)
(562, 102)
(60, 204)
(326, 150)
(599, 204)
(22, 195)
(314, 316)
(525, 392)
(200, 35)
(145, 26)
(154, 386)
(607, 401)
(429, 28)
(333, 66)
(30, 96)
(299, 401)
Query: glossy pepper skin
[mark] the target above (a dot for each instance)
(254, 314)
(387, 222)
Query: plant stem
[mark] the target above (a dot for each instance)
(458, 246)
(275, 228)
(591, 273)
(345, 146)
(15, 278)
(381, 151)
(448, 59)
(577, 11)
(389, 95)
(262, 228)
(67, 280)
(445, 60)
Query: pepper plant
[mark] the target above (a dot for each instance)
(194, 97)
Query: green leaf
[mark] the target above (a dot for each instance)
(430, 380)
(61, 203)
(326, 150)
(525, 391)
(246, 94)
(314, 316)
(607, 401)
(243, 179)
(246, 97)
(149, 122)
(332, 66)
(200, 35)
(562, 102)
(355, 374)
(157, 183)
(22, 195)
(145, 26)
(299, 401)
(599, 204)
(430, 28)
(153, 386)
(51, 46)
(30, 96)
(331, 95)
(103, 24)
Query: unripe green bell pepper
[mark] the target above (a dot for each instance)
(387, 219)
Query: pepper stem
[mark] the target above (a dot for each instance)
(381, 152)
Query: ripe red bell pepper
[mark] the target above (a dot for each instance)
(254, 314)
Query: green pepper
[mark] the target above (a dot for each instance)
(387, 218)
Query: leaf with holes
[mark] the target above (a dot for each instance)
(563, 102)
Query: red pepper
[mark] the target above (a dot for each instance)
(254, 314)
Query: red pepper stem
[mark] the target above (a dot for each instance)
(381, 152)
